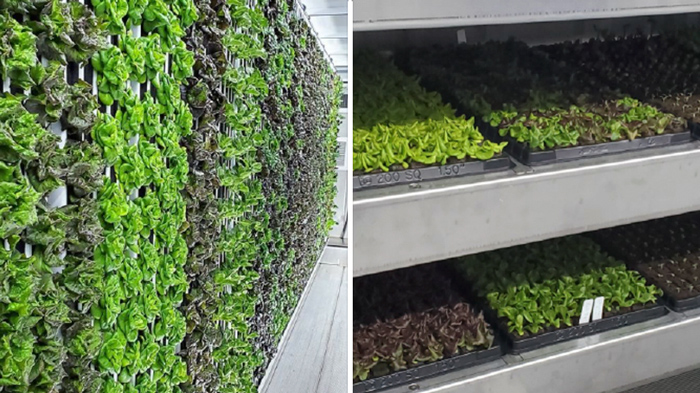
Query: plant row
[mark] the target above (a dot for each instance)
(646, 67)
(537, 100)
(541, 287)
(142, 210)
(297, 178)
(665, 251)
(398, 124)
(661, 69)
(49, 276)
(174, 265)
(589, 124)
(266, 105)
(405, 318)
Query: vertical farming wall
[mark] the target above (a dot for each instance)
(166, 186)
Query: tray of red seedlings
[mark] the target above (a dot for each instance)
(665, 251)
(534, 293)
(410, 324)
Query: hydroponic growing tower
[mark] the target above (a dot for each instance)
(167, 178)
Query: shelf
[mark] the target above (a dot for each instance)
(408, 225)
(596, 364)
(418, 14)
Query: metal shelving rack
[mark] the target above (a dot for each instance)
(408, 225)
(416, 14)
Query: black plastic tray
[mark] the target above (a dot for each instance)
(423, 371)
(409, 176)
(678, 305)
(681, 305)
(523, 153)
(694, 129)
(520, 345)
(517, 345)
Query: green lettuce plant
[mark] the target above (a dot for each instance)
(18, 55)
(113, 72)
(68, 31)
(113, 13)
(428, 142)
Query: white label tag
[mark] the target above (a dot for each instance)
(598, 308)
(461, 36)
(586, 312)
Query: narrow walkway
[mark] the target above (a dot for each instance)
(313, 356)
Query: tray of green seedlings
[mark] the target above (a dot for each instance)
(549, 292)
(410, 324)
(566, 134)
(546, 111)
(661, 69)
(665, 251)
(404, 134)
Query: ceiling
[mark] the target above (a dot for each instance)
(329, 19)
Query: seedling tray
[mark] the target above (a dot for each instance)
(673, 302)
(524, 344)
(417, 175)
(694, 129)
(424, 371)
(523, 153)
(517, 345)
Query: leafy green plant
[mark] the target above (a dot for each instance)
(429, 142)
(183, 61)
(17, 51)
(113, 13)
(113, 72)
(68, 31)
(161, 17)
(135, 56)
(542, 286)
(23, 6)
(625, 118)
(397, 122)
(22, 140)
(34, 304)
(54, 100)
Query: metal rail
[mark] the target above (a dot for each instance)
(375, 15)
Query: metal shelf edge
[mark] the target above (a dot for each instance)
(404, 226)
(374, 17)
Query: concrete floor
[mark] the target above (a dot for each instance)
(313, 355)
